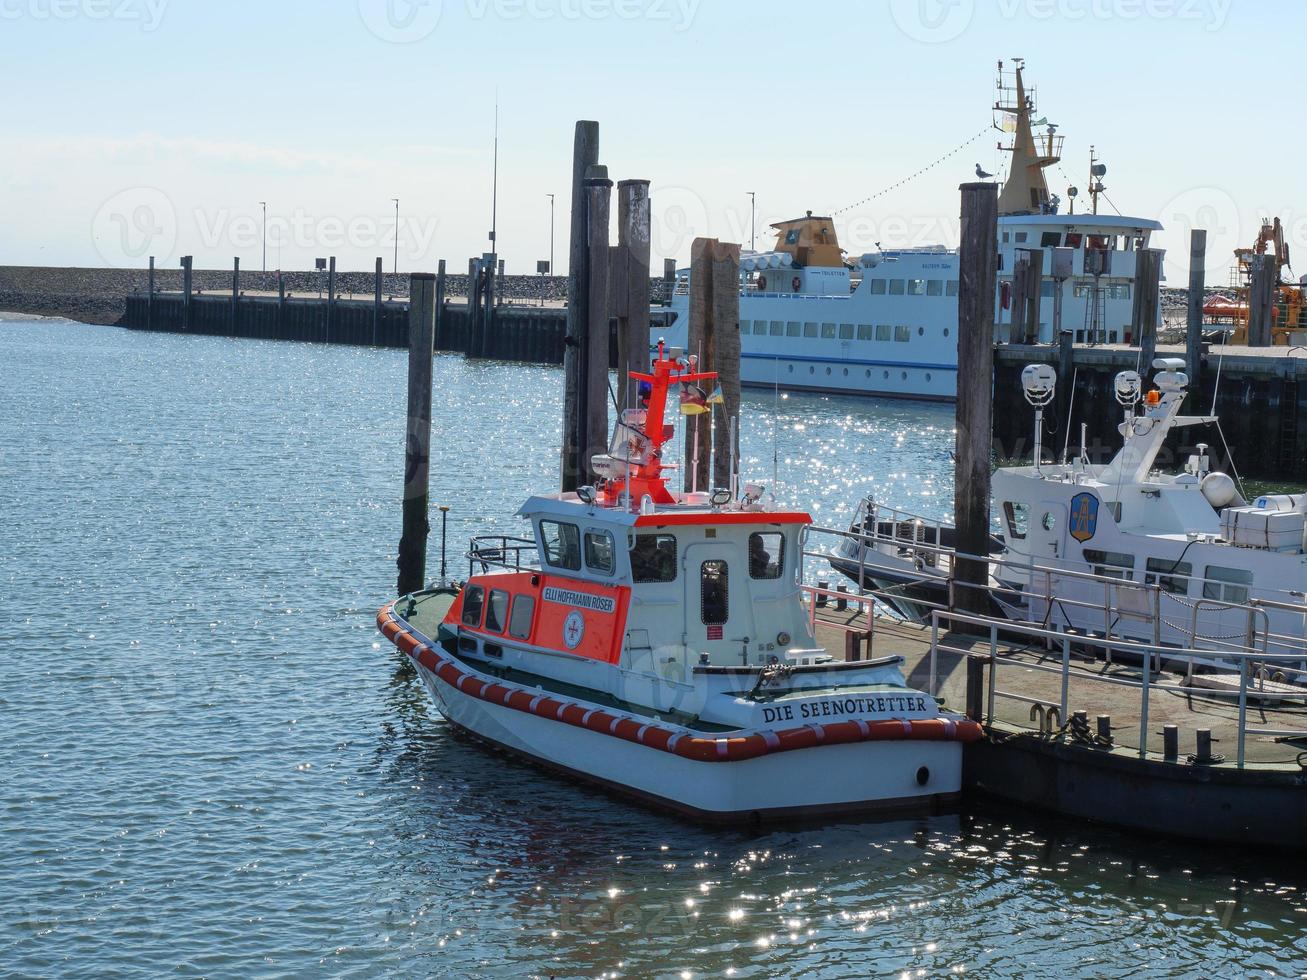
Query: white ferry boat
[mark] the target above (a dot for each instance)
(812, 318)
(655, 642)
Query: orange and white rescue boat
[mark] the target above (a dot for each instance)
(656, 643)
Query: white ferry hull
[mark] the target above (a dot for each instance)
(853, 777)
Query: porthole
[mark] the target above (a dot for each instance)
(811, 369)
(887, 374)
(927, 375)
(921, 331)
(869, 372)
(905, 375)
(791, 367)
(828, 370)
(846, 372)
(946, 331)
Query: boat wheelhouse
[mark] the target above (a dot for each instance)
(655, 642)
(883, 323)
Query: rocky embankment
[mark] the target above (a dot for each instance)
(99, 295)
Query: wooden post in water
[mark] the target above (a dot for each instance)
(977, 261)
(149, 300)
(1148, 269)
(1261, 296)
(598, 202)
(187, 280)
(631, 284)
(331, 298)
(235, 293)
(412, 561)
(376, 304)
(726, 361)
(1034, 293)
(669, 280)
(1017, 297)
(1193, 336)
(442, 320)
(585, 154)
(699, 339)
(1066, 377)
(281, 304)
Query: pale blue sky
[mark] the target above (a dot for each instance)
(133, 126)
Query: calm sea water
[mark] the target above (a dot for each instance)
(209, 764)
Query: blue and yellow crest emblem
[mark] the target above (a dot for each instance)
(1084, 516)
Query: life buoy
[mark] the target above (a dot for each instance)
(762, 284)
(795, 283)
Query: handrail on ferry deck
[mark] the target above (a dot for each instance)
(498, 557)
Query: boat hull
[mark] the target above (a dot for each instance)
(856, 777)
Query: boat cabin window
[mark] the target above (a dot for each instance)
(828, 331)
(1172, 576)
(810, 329)
(792, 328)
(1227, 584)
(951, 288)
(934, 287)
(1022, 236)
(896, 287)
(878, 287)
(1073, 239)
(474, 599)
(562, 544)
(1018, 519)
(766, 554)
(846, 331)
(1050, 239)
(777, 328)
(1111, 564)
(902, 334)
(600, 554)
(916, 287)
(864, 331)
(519, 624)
(882, 331)
(653, 558)
(713, 591)
(759, 326)
(497, 611)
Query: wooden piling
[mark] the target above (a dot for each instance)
(331, 300)
(1193, 338)
(977, 260)
(1261, 299)
(726, 362)
(1034, 293)
(149, 302)
(1148, 270)
(281, 304)
(235, 294)
(598, 203)
(441, 314)
(412, 561)
(187, 281)
(376, 303)
(669, 280)
(631, 283)
(585, 154)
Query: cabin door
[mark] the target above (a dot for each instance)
(1045, 546)
(718, 613)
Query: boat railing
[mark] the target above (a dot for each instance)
(944, 621)
(1106, 598)
(503, 551)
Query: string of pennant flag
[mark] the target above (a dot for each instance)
(930, 166)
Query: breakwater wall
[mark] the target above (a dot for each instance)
(1261, 401)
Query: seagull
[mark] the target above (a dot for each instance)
(981, 173)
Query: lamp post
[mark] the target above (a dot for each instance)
(552, 270)
(265, 235)
(753, 225)
(395, 266)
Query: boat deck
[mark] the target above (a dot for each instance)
(1169, 701)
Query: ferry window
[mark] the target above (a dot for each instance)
(916, 287)
(792, 328)
(1050, 239)
(951, 288)
(902, 334)
(1073, 239)
(1172, 576)
(497, 611)
(519, 623)
(759, 326)
(562, 544)
(1079, 292)
(828, 331)
(599, 552)
(896, 287)
(1018, 519)
(1112, 564)
(777, 328)
(1046, 289)
(846, 331)
(653, 558)
(474, 599)
(878, 287)
(934, 287)
(766, 554)
(810, 329)
(713, 592)
(864, 331)
(1021, 236)
(1227, 584)
(882, 331)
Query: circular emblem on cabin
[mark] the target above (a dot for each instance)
(573, 629)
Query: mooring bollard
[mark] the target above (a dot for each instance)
(1105, 729)
(1170, 741)
(822, 598)
(841, 602)
(1204, 740)
(976, 687)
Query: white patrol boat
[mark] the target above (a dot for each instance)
(813, 318)
(1122, 549)
(655, 642)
